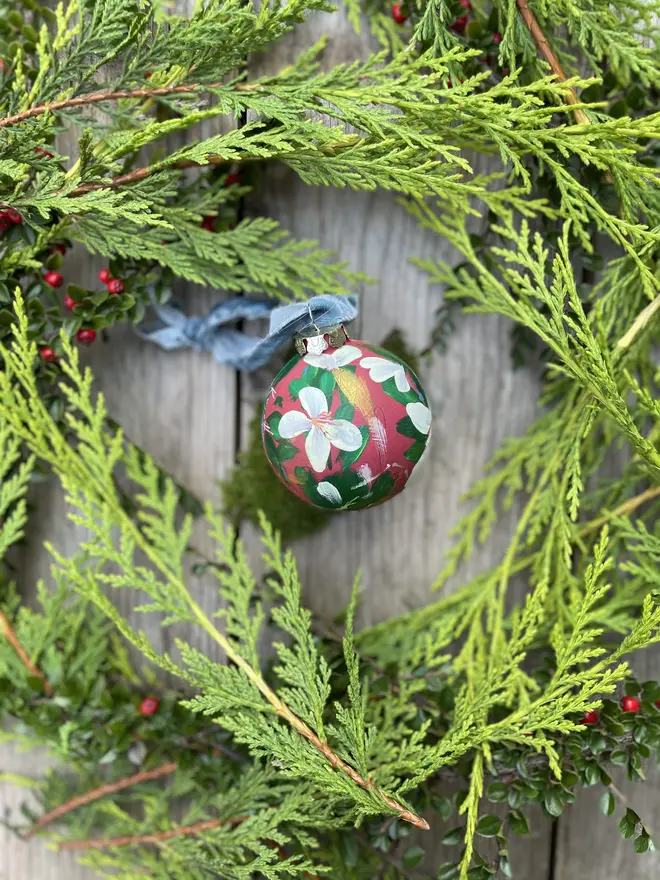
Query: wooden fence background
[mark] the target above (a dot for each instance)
(191, 415)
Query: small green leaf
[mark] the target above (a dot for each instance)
(448, 871)
(518, 822)
(607, 803)
(497, 792)
(553, 803)
(413, 856)
(641, 844)
(286, 450)
(454, 836)
(489, 826)
(327, 384)
(628, 824)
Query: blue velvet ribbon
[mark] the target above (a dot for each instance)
(213, 332)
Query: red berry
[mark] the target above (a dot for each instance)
(208, 223)
(466, 4)
(5, 222)
(2, 64)
(69, 303)
(104, 275)
(630, 704)
(460, 24)
(58, 248)
(53, 278)
(48, 354)
(14, 216)
(657, 703)
(233, 177)
(43, 152)
(590, 717)
(115, 285)
(149, 74)
(497, 38)
(86, 336)
(398, 13)
(149, 705)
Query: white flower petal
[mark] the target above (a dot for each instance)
(365, 472)
(342, 434)
(323, 361)
(293, 423)
(313, 401)
(346, 354)
(380, 370)
(329, 492)
(402, 383)
(420, 416)
(317, 447)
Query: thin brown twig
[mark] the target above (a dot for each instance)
(8, 631)
(98, 793)
(110, 95)
(139, 174)
(545, 49)
(111, 842)
(627, 507)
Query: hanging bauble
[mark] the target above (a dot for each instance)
(345, 423)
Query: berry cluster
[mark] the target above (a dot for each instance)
(628, 704)
(8, 218)
(401, 14)
(86, 335)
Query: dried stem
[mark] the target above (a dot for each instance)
(98, 793)
(7, 630)
(110, 95)
(545, 49)
(639, 323)
(139, 174)
(627, 507)
(111, 842)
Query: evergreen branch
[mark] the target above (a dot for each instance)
(139, 174)
(622, 510)
(8, 631)
(98, 793)
(162, 544)
(112, 95)
(131, 839)
(545, 49)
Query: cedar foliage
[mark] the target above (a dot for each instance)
(290, 755)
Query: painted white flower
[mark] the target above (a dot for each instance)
(341, 357)
(420, 416)
(329, 492)
(322, 431)
(380, 369)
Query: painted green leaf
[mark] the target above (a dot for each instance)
(345, 411)
(405, 426)
(346, 459)
(327, 385)
(278, 402)
(296, 386)
(273, 422)
(389, 387)
(415, 451)
(286, 450)
(382, 487)
(307, 481)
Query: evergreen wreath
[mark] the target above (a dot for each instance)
(316, 752)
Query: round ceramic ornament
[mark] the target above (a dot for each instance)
(345, 423)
